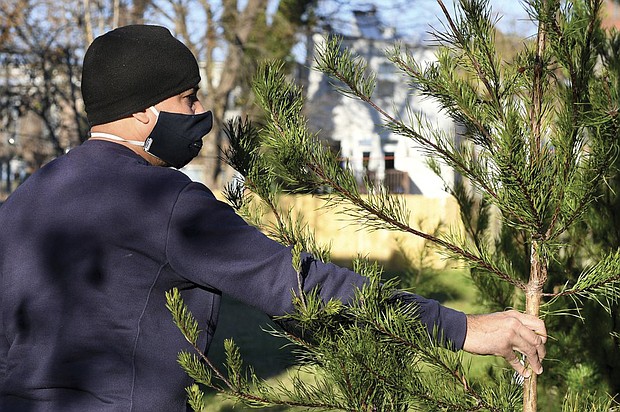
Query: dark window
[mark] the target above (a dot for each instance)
(389, 160)
(365, 160)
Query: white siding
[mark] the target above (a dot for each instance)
(357, 127)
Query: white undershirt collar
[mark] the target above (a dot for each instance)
(102, 135)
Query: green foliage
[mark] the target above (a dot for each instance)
(578, 115)
(539, 137)
(516, 167)
(195, 397)
(577, 402)
(599, 283)
(249, 156)
(183, 318)
(371, 355)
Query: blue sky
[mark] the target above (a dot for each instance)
(414, 17)
(513, 19)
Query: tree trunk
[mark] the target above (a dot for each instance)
(539, 264)
(533, 296)
(238, 33)
(88, 24)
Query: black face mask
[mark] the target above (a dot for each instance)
(177, 138)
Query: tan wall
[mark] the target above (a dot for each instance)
(348, 240)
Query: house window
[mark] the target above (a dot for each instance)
(336, 149)
(389, 160)
(365, 160)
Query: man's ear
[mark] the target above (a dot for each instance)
(142, 117)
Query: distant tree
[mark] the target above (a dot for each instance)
(40, 47)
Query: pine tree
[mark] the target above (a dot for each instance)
(540, 136)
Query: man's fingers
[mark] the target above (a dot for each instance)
(541, 350)
(531, 345)
(532, 322)
(518, 365)
(534, 362)
(528, 341)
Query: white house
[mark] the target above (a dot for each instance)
(355, 129)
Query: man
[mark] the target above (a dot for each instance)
(90, 243)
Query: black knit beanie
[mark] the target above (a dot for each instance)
(132, 68)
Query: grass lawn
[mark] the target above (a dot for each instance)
(265, 354)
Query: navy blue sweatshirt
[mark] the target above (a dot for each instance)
(88, 246)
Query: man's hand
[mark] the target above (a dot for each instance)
(503, 333)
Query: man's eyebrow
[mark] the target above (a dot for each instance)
(193, 90)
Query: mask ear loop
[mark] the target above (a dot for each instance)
(149, 140)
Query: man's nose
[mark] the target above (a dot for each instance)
(199, 107)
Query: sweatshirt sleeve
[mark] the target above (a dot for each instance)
(451, 325)
(210, 245)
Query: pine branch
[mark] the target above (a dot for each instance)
(238, 387)
(188, 326)
(296, 252)
(195, 397)
(480, 13)
(389, 220)
(397, 326)
(461, 111)
(478, 17)
(435, 360)
(319, 168)
(332, 61)
(591, 402)
(569, 40)
(243, 155)
(600, 281)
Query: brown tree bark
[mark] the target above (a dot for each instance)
(539, 265)
(533, 297)
(237, 27)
